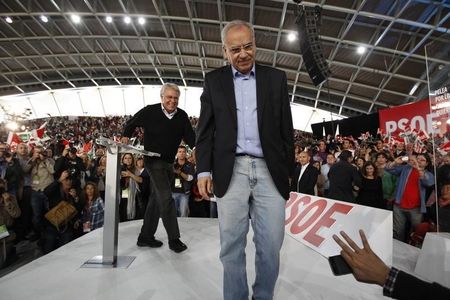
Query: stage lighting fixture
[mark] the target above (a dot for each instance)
(8, 20)
(308, 20)
(44, 19)
(109, 19)
(361, 50)
(127, 20)
(291, 37)
(75, 18)
(141, 21)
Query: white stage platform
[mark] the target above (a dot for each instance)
(194, 274)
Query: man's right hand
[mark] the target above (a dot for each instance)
(205, 186)
(124, 140)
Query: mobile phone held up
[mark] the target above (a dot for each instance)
(339, 266)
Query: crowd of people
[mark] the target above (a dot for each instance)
(35, 178)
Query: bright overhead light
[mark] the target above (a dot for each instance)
(361, 50)
(75, 18)
(141, 21)
(127, 20)
(291, 37)
(12, 126)
(8, 20)
(44, 19)
(109, 19)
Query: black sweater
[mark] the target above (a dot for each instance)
(161, 134)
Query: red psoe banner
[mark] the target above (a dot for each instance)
(413, 115)
(313, 220)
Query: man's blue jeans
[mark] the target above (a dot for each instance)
(253, 192)
(39, 207)
(181, 203)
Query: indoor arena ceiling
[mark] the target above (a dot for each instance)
(43, 47)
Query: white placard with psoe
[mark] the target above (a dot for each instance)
(313, 220)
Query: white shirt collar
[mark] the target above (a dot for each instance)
(169, 115)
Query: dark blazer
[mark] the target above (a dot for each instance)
(408, 287)
(343, 176)
(307, 181)
(217, 127)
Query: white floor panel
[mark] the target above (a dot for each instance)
(162, 274)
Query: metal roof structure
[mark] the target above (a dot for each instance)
(179, 41)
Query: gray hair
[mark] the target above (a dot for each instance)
(236, 23)
(170, 86)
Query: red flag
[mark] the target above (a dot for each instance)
(87, 147)
(13, 140)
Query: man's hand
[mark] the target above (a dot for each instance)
(205, 185)
(124, 140)
(64, 175)
(366, 265)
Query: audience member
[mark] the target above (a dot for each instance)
(182, 182)
(129, 184)
(371, 190)
(9, 212)
(410, 194)
(305, 175)
(92, 214)
(343, 176)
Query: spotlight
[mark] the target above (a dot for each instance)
(44, 19)
(291, 37)
(109, 19)
(361, 50)
(127, 20)
(8, 20)
(141, 21)
(75, 18)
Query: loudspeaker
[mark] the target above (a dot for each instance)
(310, 48)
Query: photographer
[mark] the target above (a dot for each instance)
(70, 162)
(42, 169)
(182, 182)
(57, 191)
(13, 174)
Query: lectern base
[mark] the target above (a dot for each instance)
(122, 262)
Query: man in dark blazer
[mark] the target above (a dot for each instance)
(305, 175)
(245, 144)
(343, 176)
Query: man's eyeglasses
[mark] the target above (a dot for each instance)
(171, 97)
(237, 49)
